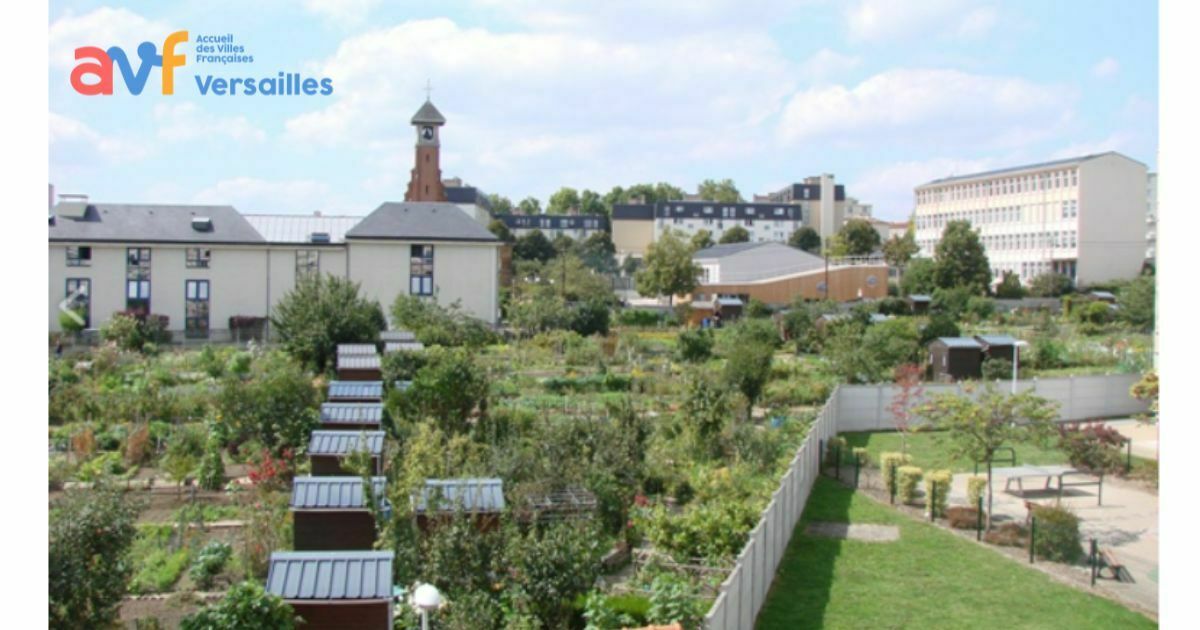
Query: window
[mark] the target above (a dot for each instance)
(137, 280)
(748, 222)
(79, 256)
(197, 257)
(308, 262)
(420, 270)
(78, 298)
(195, 308)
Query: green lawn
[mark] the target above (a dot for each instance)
(930, 578)
(931, 451)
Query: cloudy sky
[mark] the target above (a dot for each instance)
(885, 95)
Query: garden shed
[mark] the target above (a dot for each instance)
(955, 358)
(355, 391)
(919, 303)
(388, 336)
(351, 416)
(1103, 296)
(403, 346)
(327, 448)
(359, 367)
(335, 589)
(997, 346)
(330, 513)
(356, 350)
(483, 499)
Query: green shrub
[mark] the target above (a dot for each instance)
(907, 479)
(890, 461)
(937, 491)
(1057, 537)
(90, 535)
(695, 345)
(209, 563)
(639, 317)
(108, 464)
(980, 307)
(672, 601)
(600, 614)
(1092, 446)
(996, 369)
(976, 487)
(1096, 313)
(861, 455)
(246, 605)
(319, 313)
(1049, 353)
(835, 448)
(757, 309)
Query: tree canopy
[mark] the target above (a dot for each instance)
(735, 234)
(856, 238)
(91, 532)
(563, 201)
(702, 239)
(534, 246)
(321, 312)
(530, 205)
(500, 204)
(898, 250)
(667, 268)
(723, 191)
(919, 277)
(961, 260)
(497, 227)
(807, 239)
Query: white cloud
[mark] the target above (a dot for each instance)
(186, 121)
(927, 105)
(1105, 68)
(102, 28)
(828, 64)
(1118, 141)
(343, 12)
(890, 187)
(877, 20)
(73, 141)
(262, 196)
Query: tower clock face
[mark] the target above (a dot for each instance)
(427, 133)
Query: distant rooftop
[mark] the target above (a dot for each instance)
(1025, 167)
(300, 228)
(330, 575)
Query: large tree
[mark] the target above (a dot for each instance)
(702, 239)
(91, 532)
(1136, 300)
(564, 201)
(856, 238)
(723, 191)
(735, 234)
(500, 204)
(667, 268)
(590, 202)
(961, 260)
(530, 205)
(321, 312)
(919, 277)
(497, 227)
(598, 252)
(807, 239)
(534, 246)
(898, 250)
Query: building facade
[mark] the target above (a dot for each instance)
(1151, 217)
(202, 265)
(575, 226)
(1084, 217)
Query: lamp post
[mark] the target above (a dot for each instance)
(1016, 355)
(427, 598)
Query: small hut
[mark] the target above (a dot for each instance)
(337, 416)
(359, 367)
(955, 358)
(397, 335)
(355, 391)
(327, 448)
(356, 350)
(330, 513)
(403, 346)
(919, 303)
(335, 589)
(481, 499)
(997, 346)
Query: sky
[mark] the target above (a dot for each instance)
(884, 95)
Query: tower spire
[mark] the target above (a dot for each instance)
(428, 89)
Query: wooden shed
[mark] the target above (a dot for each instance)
(340, 416)
(359, 367)
(481, 499)
(955, 358)
(356, 350)
(397, 335)
(997, 346)
(403, 346)
(919, 303)
(330, 513)
(327, 448)
(331, 590)
(355, 391)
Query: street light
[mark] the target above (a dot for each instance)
(427, 598)
(1016, 355)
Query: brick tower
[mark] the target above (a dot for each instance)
(426, 183)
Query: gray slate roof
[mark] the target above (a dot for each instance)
(428, 114)
(153, 223)
(345, 442)
(351, 413)
(358, 349)
(721, 251)
(474, 495)
(365, 391)
(960, 342)
(299, 228)
(421, 221)
(330, 575)
(996, 340)
(332, 493)
(757, 262)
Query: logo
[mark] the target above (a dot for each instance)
(100, 65)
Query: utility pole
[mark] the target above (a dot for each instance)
(826, 252)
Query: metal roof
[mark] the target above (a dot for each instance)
(960, 342)
(920, 297)
(154, 223)
(720, 251)
(345, 442)
(1024, 167)
(473, 495)
(422, 221)
(356, 390)
(996, 340)
(299, 228)
(428, 114)
(330, 575)
(403, 346)
(351, 413)
(879, 317)
(358, 362)
(332, 493)
(397, 335)
(1105, 295)
(345, 349)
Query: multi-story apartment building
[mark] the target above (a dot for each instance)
(575, 226)
(1151, 217)
(1084, 217)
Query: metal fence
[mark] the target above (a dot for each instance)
(865, 408)
(744, 591)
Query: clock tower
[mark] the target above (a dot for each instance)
(426, 182)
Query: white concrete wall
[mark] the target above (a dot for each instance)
(1112, 219)
(465, 272)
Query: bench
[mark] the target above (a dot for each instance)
(1108, 560)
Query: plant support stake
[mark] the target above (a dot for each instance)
(1032, 536)
(979, 518)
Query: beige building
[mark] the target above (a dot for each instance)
(1083, 217)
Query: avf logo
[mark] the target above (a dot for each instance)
(99, 63)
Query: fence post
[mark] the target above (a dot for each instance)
(892, 483)
(837, 461)
(930, 499)
(857, 466)
(1093, 560)
(1032, 536)
(1128, 455)
(820, 457)
(979, 518)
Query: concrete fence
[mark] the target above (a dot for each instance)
(865, 408)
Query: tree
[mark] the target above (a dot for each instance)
(598, 253)
(961, 260)
(909, 391)
(919, 277)
(702, 239)
(723, 191)
(550, 567)
(893, 342)
(667, 268)
(91, 532)
(245, 605)
(497, 227)
(534, 246)
(321, 312)
(500, 204)
(590, 202)
(438, 325)
(448, 388)
(1010, 287)
(735, 234)
(565, 201)
(856, 238)
(529, 205)
(1136, 300)
(1050, 285)
(898, 250)
(563, 244)
(940, 325)
(276, 405)
(807, 239)
(748, 360)
(705, 412)
(978, 426)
